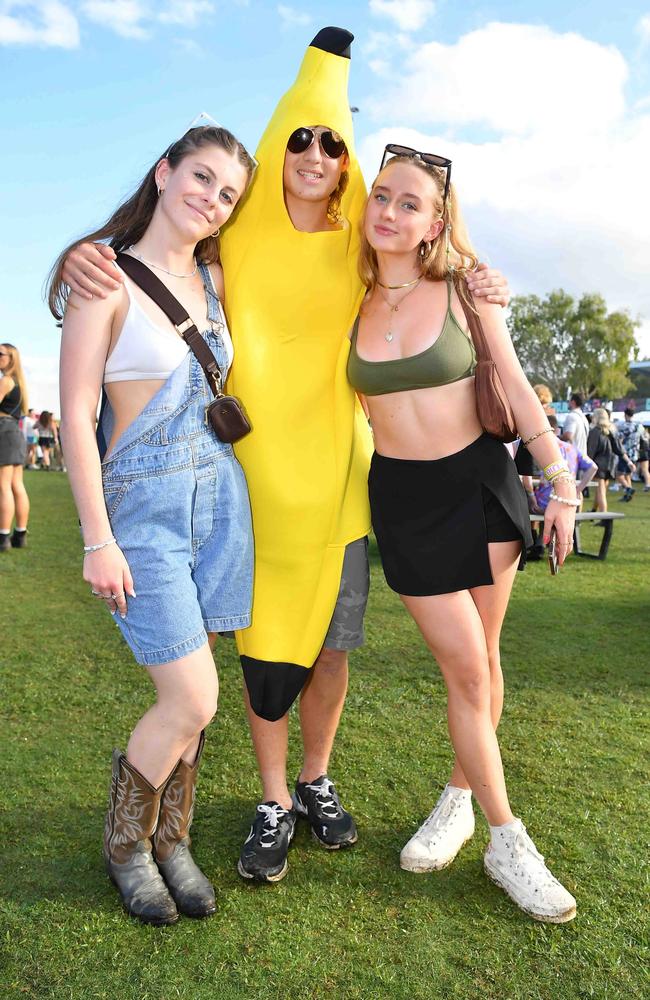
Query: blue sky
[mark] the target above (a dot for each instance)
(545, 110)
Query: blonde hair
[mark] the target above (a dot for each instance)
(451, 251)
(15, 371)
(600, 418)
(544, 394)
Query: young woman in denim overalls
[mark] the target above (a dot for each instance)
(165, 514)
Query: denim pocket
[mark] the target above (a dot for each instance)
(114, 493)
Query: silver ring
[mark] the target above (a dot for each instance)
(95, 593)
(115, 597)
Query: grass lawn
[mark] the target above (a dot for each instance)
(342, 924)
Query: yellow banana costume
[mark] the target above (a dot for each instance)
(291, 298)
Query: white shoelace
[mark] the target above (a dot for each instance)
(442, 811)
(272, 816)
(325, 795)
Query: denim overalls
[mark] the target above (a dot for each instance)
(178, 504)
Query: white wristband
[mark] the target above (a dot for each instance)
(96, 548)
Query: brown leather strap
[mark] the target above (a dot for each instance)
(177, 313)
(474, 324)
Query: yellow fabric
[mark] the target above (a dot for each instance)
(291, 298)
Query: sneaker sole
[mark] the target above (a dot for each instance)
(561, 918)
(262, 879)
(303, 814)
(422, 866)
(333, 847)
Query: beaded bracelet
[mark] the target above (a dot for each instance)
(533, 437)
(572, 503)
(96, 548)
(562, 477)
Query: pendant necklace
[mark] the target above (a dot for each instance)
(388, 336)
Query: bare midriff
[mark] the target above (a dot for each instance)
(128, 400)
(425, 424)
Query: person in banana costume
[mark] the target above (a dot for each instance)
(292, 293)
(293, 290)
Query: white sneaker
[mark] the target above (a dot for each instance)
(443, 833)
(515, 865)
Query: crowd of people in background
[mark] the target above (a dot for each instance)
(41, 433)
(612, 453)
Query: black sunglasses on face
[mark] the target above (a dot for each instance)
(414, 154)
(330, 142)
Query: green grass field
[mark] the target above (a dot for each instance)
(342, 924)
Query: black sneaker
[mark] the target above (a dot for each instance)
(319, 803)
(19, 539)
(264, 854)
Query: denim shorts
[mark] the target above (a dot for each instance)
(346, 627)
(178, 505)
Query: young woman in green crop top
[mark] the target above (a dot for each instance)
(449, 512)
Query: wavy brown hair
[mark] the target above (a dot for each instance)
(15, 371)
(436, 263)
(130, 220)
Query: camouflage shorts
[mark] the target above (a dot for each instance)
(346, 627)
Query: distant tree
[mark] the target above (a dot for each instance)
(576, 346)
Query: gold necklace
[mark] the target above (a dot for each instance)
(388, 336)
(405, 285)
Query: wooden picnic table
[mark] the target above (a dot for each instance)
(607, 526)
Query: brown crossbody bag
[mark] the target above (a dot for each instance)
(492, 406)
(225, 414)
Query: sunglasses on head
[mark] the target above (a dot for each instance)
(414, 154)
(330, 142)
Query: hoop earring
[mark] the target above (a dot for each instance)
(159, 190)
(425, 249)
(214, 235)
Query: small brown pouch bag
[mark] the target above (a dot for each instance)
(494, 411)
(225, 414)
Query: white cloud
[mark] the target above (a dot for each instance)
(124, 17)
(557, 197)
(515, 78)
(409, 15)
(184, 12)
(47, 23)
(292, 18)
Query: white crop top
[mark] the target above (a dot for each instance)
(147, 351)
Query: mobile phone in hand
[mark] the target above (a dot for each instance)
(551, 552)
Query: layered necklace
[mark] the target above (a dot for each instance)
(411, 285)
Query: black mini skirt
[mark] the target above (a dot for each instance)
(433, 519)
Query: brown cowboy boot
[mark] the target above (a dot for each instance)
(192, 892)
(132, 816)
